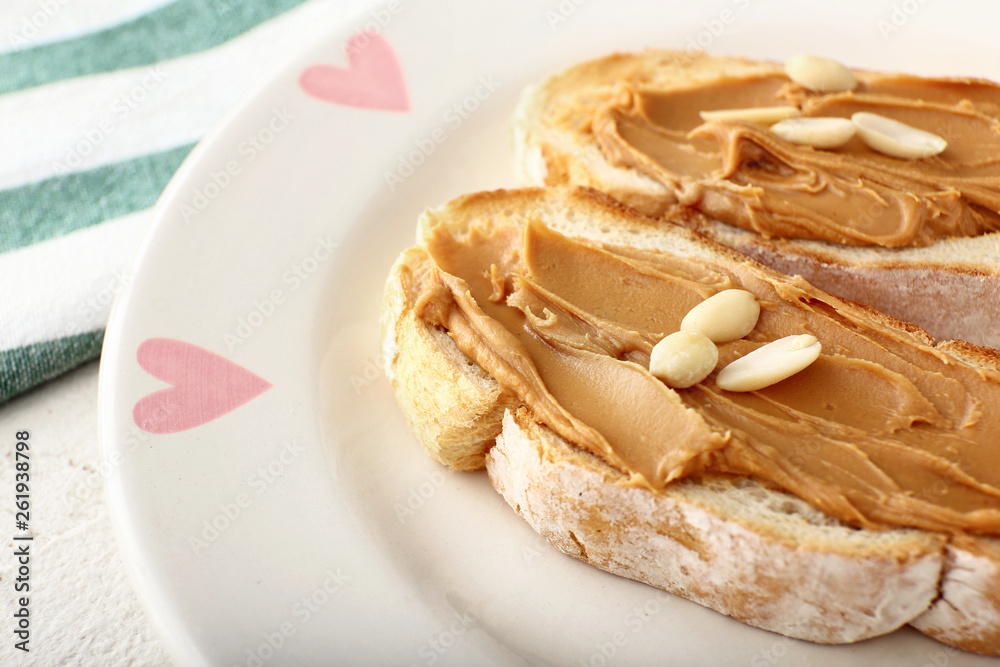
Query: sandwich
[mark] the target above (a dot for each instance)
(816, 468)
(878, 187)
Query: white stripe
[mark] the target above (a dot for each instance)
(82, 123)
(64, 286)
(28, 23)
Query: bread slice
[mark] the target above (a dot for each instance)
(733, 545)
(950, 288)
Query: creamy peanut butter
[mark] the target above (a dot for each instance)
(882, 430)
(742, 174)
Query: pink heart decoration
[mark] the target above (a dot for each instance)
(372, 80)
(204, 387)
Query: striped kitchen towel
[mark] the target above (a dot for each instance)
(99, 104)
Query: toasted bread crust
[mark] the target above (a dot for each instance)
(452, 406)
(967, 614)
(941, 287)
(736, 547)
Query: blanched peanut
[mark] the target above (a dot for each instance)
(726, 316)
(896, 139)
(821, 132)
(683, 359)
(820, 74)
(759, 115)
(769, 364)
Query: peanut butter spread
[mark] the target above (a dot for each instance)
(882, 430)
(742, 174)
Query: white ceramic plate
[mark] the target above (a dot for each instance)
(304, 525)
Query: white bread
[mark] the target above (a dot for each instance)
(759, 555)
(950, 288)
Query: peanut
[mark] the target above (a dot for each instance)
(821, 132)
(820, 74)
(896, 139)
(683, 359)
(725, 316)
(769, 364)
(759, 115)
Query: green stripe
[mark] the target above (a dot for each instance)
(177, 29)
(50, 208)
(31, 365)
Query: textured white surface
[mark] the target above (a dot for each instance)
(83, 609)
